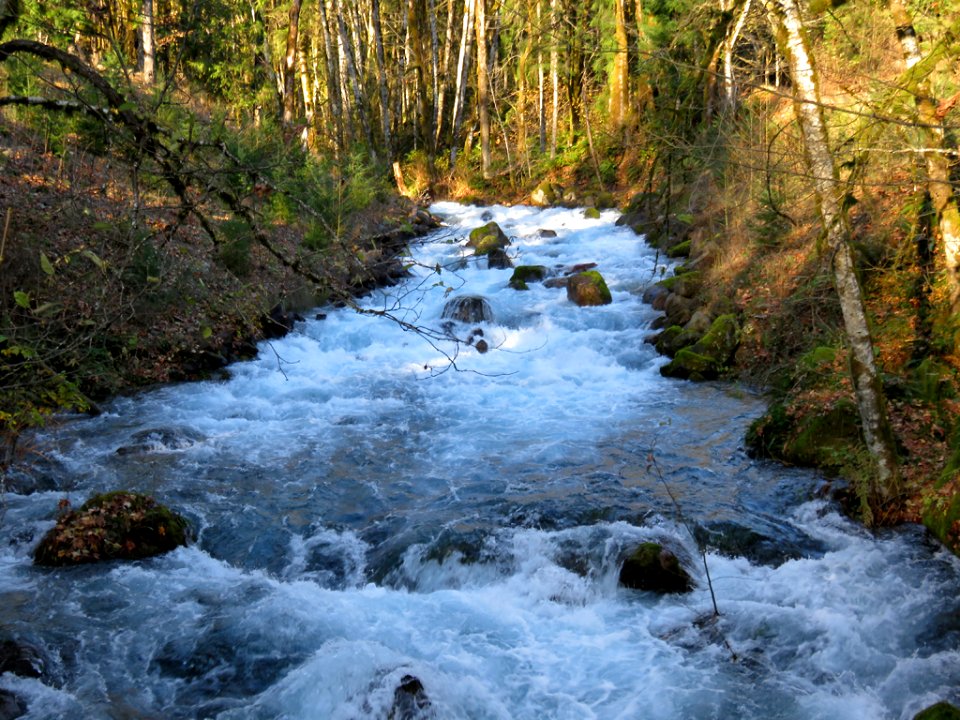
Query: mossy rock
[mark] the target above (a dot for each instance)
(941, 515)
(825, 439)
(605, 200)
(940, 711)
(544, 194)
(487, 238)
(653, 567)
(591, 213)
(680, 250)
(688, 284)
(524, 274)
(707, 358)
(588, 288)
(114, 526)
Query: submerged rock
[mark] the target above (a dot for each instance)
(11, 706)
(114, 526)
(409, 700)
(468, 309)
(524, 274)
(653, 567)
(588, 288)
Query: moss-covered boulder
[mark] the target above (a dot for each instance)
(823, 437)
(524, 274)
(487, 238)
(941, 514)
(681, 250)
(114, 526)
(940, 711)
(546, 193)
(653, 567)
(591, 213)
(588, 288)
(709, 356)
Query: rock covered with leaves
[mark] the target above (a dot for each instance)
(114, 526)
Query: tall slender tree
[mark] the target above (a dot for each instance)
(829, 192)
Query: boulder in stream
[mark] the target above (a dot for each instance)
(468, 309)
(940, 711)
(487, 238)
(524, 274)
(409, 699)
(114, 526)
(588, 288)
(653, 567)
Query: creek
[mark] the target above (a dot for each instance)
(371, 502)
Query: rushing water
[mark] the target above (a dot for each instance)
(370, 504)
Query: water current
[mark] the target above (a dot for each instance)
(370, 502)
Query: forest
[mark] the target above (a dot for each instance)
(179, 176)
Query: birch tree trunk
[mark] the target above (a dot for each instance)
(444, 73)
(541, 85)
(382, 79)
(147, 44)
(829, 193)
(360, 106)
(290, 64)
(483, 88)
(554, 75)
(463, 70)
(333, 81)
(934, 152)
(729, 44)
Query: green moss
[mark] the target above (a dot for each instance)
(527, 273)
(940, 711)
(679, 250)
(588, 288)
(591, 213)
(487, 238)
(941, 515)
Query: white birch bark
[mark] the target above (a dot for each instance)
(821, 166)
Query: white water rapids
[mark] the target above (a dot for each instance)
(365, 510)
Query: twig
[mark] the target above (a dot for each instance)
(6, 229)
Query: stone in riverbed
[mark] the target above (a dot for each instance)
(487, 238)
(524, 274)
(588, 288)
(653, 567)
(468, 309)
(940, 711)
(409, 699)
(114, 526)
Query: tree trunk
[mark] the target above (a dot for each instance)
(729, 44)
(444, 87)
(333, 82)
(541, 85)
(620, 72)
(147, 44)
(935, 154)
(829, 193)
(483, 88)
(554, 75)
(290, 64)
(382, 79)
(359, 101)
(463, 70)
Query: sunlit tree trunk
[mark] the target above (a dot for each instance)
(829, 192)
(333, 81)
(290, 64)
(554, 75)
(729, 45)
(620, 72)
(935, 154)
(359, 101)
(148, 44)
(483, 87)
(382, 79)
(444, 73)
(541, 84)
(463, 71)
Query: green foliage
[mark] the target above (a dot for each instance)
(235, 252)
